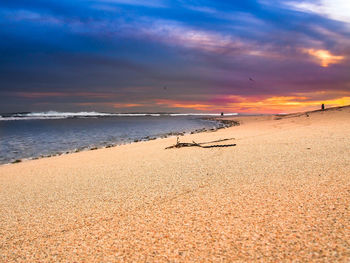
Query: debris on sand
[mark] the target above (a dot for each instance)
(194, 144)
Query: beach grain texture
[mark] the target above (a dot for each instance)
(281, 194)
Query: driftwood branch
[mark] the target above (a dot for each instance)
(194, 144)
(222, 140)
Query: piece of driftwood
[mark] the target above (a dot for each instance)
(221, 140)
(194, 144)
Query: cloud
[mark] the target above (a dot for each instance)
(324, 57)
(30, 16)
(39, 95)
(121, 53)
(334, 9)
(147, 3)
(176, 34)
(192, 105)
(262, 104)
(217, 43)
(127, 105)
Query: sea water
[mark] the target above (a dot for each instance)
(33, 135)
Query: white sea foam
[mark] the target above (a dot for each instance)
(62, 114)
(65, 115)
(52, 115)
(29, 118)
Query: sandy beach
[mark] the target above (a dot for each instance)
(281, 194)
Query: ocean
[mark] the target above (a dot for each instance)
(40, 134)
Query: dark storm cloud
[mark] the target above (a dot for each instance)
(72, 54)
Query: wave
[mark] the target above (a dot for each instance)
(62, 114)
(52, 115)
(29, 118)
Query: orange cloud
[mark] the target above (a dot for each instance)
(126, 105)
(324, 57)
(287, 104)
(184, 104)
(110, 104)
(273, 104)
(225, 103)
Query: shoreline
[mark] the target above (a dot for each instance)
(223, 125)
(226, 121)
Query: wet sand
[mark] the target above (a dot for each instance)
(281, 194)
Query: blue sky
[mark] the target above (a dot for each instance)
(182, 56)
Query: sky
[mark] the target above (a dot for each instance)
(251, 56)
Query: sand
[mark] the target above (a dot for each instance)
(281, 194)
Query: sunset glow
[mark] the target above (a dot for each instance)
(286, 104)
(174, 56)
(325, 57)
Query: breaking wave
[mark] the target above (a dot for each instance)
(65, 115)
